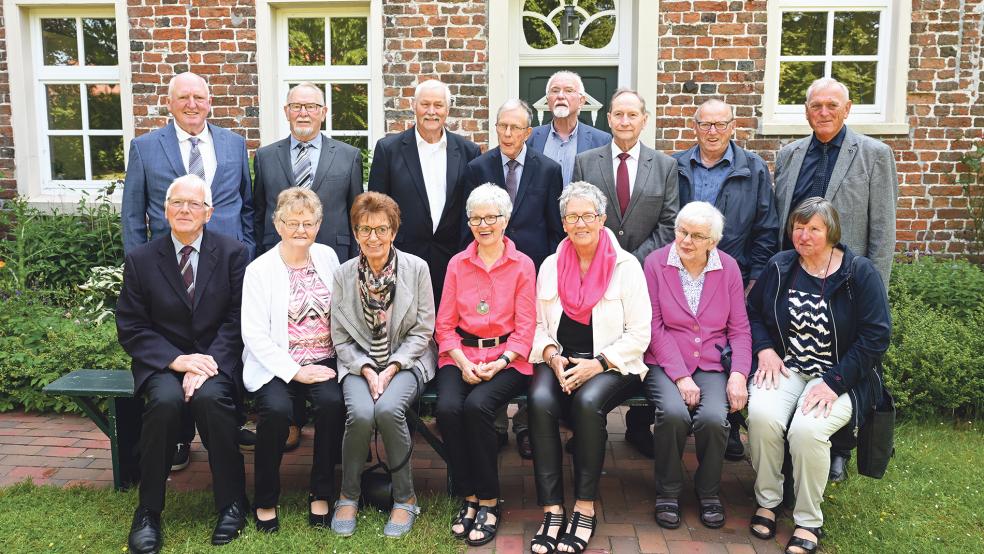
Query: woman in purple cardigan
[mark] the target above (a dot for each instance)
(698, 309)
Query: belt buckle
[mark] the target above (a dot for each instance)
(488, 343)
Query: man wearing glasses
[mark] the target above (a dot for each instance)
(307, 158)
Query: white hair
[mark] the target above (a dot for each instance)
(432, 84)
(702, 213)
(193, 180)
(570, 75)
(826, 82)
(307, 85)
(585, 191)
(489, 195)
(712, 103)
(516, 104)
(170, 84)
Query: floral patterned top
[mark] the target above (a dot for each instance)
(692, 286)
(309, 317)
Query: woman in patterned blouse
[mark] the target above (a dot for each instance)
(286, 329)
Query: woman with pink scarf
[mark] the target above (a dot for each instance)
(593, 325)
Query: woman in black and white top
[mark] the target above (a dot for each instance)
(820, 325)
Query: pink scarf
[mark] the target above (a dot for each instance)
(578, 295)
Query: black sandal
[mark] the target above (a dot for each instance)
(319, 521)
(769, 524)
(268, 526)
(544, 539)
(710, 507)
(465, 522)
(482, 525)
(808, 546)
(571, 540)
(668, 512)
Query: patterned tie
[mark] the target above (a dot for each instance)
(819, 185)
(622, 182)
(187, 272)
(195, 164)
(302, 166)
(512, 185)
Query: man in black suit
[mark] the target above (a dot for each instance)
(422, 168)
(307, 158)
(533, 181)
(178, 319)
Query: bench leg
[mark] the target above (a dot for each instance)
(433, 441)
(124, 466)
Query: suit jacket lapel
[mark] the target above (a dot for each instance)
(324, 162)
(526, 181)
(167, 262)
(206, 267)
(451, 178)
(283, 154)
(169, 143)
(849, 149)
(220, 144)
(643, 169)
(792, 174)
(608, 183)
(412, 159)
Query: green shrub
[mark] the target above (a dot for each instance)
(956, 285)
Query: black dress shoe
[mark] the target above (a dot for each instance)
(145, 532)
(642, 440)
(838, 469)
(319, 521)
(502, 439)
(735, 451)
(182, 456)
(246, 439)
(232, 520)
(524, 446)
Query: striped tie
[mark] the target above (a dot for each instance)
(187, 272)
(302, 166)
(195, 164)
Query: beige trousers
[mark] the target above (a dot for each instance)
(770, 411)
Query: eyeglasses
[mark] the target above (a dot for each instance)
(696, 237)
(505, 127)
(557, 91)
(364, 231)
(488, 220)
(295, 107)
(571, 219)
(295, 225)
(192, 205)
(719, 125)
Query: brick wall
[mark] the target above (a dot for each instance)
(8, 182)
(717, 48)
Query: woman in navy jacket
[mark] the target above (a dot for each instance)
(820, 325)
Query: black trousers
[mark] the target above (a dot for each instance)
(587, 410)
(466, 416)
(275, 403)
(214, 409)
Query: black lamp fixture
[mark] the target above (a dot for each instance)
(570, 25)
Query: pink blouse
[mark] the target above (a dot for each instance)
(309, 317)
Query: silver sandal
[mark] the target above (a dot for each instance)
(397, 530)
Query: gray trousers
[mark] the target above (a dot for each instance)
(674, 421)
(520, 420)
(388, 414)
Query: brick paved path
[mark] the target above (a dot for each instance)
(67, 450)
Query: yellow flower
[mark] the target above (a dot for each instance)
(3, 264)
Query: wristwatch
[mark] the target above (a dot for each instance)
(504, 358)
(604, 363)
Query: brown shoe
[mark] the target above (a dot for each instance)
(293, 438)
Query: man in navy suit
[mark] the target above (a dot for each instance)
(533, 181)
(422, 168)
(178, 319)
(565, 137)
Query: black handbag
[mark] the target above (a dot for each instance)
(876, 438)
(376, 484)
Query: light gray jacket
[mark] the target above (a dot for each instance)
(864, 187)
(411, 323)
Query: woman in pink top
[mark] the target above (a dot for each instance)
(698, 310)
(484, 331)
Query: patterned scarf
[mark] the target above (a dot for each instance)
(376, 294)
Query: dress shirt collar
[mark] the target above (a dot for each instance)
(836, 141)
(314, 143)
(521, 158)
(195, 244)
(713, 260)
(441, 144)
(633, 152)
(572, 136)
(509, 253)
(204, 136)
(729, 156)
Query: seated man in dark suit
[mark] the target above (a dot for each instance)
(178, 319)
(533, 181)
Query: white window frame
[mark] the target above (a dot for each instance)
(28, 102)
(887, 114)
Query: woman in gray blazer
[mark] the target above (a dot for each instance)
(382, 315)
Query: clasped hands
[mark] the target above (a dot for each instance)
(197, 368)
(572, 373)
(473, 373)
(379, 380)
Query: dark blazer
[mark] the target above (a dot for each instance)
(587, 137)
(534, 225)
(337, 181)
(396, 171)
(155, 321)
(155, 161)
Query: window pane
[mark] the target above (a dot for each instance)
(350, 107)
(804, 33)
(64, 107)
(362, 143)
(99, 40)
(67, 159)
(349, 37)
(538, 34)
(859, 78)
(107, 158)
(59, 42)
(856, 33)
(104, 107)
(795, 78)
(599, 33)
(306, 40)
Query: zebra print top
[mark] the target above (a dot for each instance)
(811, 339)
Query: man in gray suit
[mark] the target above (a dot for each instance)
(643, 200)
(857, 175)
(307, 158)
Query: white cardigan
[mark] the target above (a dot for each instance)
(621, 322)
(266, 293)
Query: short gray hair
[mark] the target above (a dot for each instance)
(489, 194)
(817, 206)
(585, 191)
(516, 104)
(170, 84)
(295, 200)
(702, 213)
(307, 85)
(193, 180)
(623, 90)
(432, 84)
(825, 82)
(570, 75)
(714, 102)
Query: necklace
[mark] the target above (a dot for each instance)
(821, 274)
(307, 261)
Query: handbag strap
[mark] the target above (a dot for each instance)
(406, 460)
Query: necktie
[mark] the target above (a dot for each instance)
(512, 184)
(819, 186)
(622, 182)
(302, 166)
(187, 272)
(195, 164)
